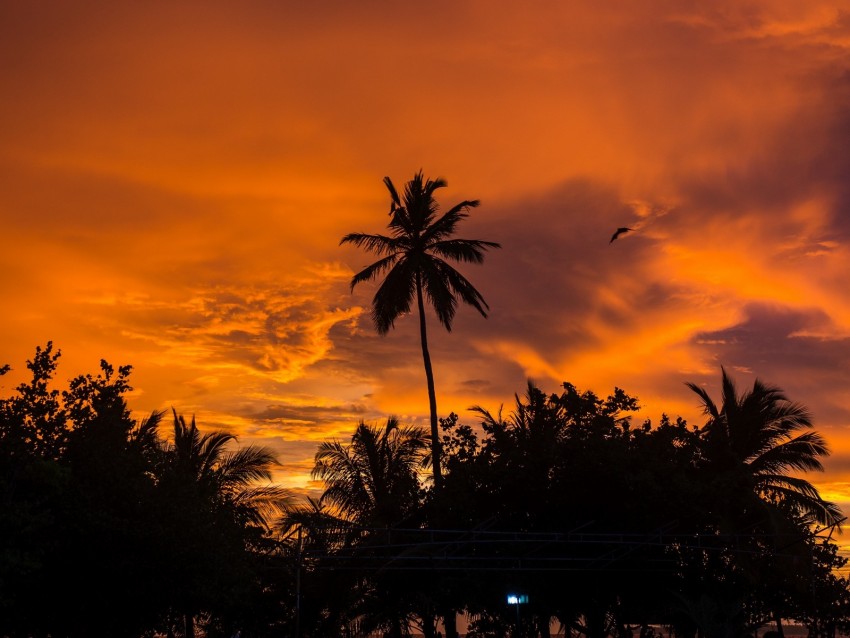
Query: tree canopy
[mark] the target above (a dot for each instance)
(113, 526)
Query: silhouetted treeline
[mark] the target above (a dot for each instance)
(609, 528)
(107, 529)
(115, 527)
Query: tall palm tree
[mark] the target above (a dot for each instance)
(413, 258)
(757, 435)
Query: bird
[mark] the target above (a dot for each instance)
(618, 232)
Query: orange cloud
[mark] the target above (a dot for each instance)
(175, 182)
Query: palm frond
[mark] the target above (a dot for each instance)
(413, 255)
(708, 406)
(753, 436)
(378, 244)
(787, 417)
(394, 296)
(396, 202)
(730, 396)
(343, 476)
(245, 466)
(446, 224)
(800, 453)
(419, 202)
(146, 434)
(436, 288)
(465, 250)
(373, 479)
(211, 450)
(804, 498)
(375, 270)
(461, 287)
(261, 504)
(487, 419)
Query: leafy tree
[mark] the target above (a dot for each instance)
(824, 604)
(33, 420)
(76, 486)
(105, 529)
(413, 263)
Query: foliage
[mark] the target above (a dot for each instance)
(608, 526)
(110, 529)
(373, 481)
(107, 530)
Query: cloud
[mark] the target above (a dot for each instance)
(280, 331)
(317, 415)
(799, 350)
(175, 183)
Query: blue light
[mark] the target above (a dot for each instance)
(517, 599)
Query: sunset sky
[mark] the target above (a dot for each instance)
(175, 178)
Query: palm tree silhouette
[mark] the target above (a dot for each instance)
(373, 481)
(208, 482)
(227, 476)
(414, 258)
(755, 435)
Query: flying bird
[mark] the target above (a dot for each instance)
(619, 232)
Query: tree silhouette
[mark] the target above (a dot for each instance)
(753, 445)
(108, 530)
(413, 260)
(373, 480)
(213, 497)
(755, 438)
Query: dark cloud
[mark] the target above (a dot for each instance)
(314, 415)
(783, 347)
(804, 158)
(545, 284)
(476, 385)
(775, 337)
(833, 161)
(294, 456)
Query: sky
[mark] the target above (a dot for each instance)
(175, 179)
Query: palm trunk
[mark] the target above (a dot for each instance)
(428, 629)
(449, 621)
(777, 617)
(395, 628)
(450, 624)
(432, 395)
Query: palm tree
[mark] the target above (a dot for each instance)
(754, 442)
(414, 258)
(756, 435)
(216, 500)
(373, 481)
(227, 476)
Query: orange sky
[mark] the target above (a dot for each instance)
(175, 179)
